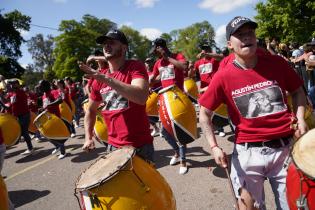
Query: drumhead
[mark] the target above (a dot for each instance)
(303, 153)
(166, 89)
(104, 168)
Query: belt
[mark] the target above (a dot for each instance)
(274, 143)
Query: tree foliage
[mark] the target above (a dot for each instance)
(139, 45)
(76, 42)
(290, 20)
(187, 40)
(31, 77)
(42, 52)
(10, 41)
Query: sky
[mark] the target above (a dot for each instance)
(150, 17)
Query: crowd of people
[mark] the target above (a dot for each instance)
(253, 80)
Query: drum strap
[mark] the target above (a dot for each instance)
(301, 202)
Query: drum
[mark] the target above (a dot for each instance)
(51, 126)
(220, 116)
(72, 107)
(100, 129)
(4, 204)
(10, 129)
(65, 112)
(308, 115)
(32, 128)
(152, 108)
(191, 89)
(301, 173)
(121, 180)
(85, 105)
(178, 115)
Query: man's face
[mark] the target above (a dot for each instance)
(113, 49)
(243, 41)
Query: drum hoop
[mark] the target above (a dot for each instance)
(295, 163)
(166, 89)
(110, 175)
(40, 115)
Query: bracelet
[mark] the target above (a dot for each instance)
(214, 146)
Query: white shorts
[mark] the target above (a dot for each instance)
(251, 166)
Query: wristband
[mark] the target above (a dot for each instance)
(213, 146)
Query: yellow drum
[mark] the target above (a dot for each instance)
(10, 129)
(152, 108)
(100, 129)
(220, 116)
(72, 107)
(308, 116)
(65, 112)
(123, 181)
(222, 111)
(85, 105)
(32, 128)
(178, 115)
(4, 204)
(51, 126)
(191, 89)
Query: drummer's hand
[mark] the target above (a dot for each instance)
(219, 157)
(301, 128)
(88, 145)
(87, 69)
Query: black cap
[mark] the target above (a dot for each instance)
(159, 42)
(236, 23)
(205, 45)
(113, 34)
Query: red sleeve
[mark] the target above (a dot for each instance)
(213, 96)
(95, 92)
(139, 71)
(180, 57)
(156, 68)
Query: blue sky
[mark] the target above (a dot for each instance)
(149, 17)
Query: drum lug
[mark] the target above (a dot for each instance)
(301, 203)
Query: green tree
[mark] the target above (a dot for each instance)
(10, 41)
(187, 40)
(139, 46)
(41, 51)
(31, 77)
(290, 20)
(76, 42)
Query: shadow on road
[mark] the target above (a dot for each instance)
(22, 197)
(87, 156)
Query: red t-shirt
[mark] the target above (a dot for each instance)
(127, 122)
(206, 67)
(18, 102)
(264, 87)
(32, 102)
(49, 97)
(169, 73)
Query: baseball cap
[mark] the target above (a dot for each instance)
(159, 42)
(236, 23)
(112, 34)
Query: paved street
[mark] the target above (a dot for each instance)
(41, 181)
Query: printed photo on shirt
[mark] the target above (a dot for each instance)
(205, 68)
(261, 103)
(167, 72)
(114, 101)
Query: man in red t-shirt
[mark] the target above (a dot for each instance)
(253, 86)
(123, 88)
(170, 69)
(19, 108)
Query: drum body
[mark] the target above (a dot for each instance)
(51, 126)
(32, 128)
(178, 115)
(191, 89)
(4, 197)
(152, 108)
(65, 112)
(100, 129)
(301, 173)
(120, 181)
(9, 123)
(72, 107)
